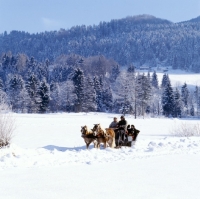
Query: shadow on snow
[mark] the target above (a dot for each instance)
(59, 148)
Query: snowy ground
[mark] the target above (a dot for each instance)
(48, 159)
(179, 77)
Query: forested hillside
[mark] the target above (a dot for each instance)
(141, 40)
(41, 73)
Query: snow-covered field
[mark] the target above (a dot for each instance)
(178, 80)
(48, 159)
(179, 77)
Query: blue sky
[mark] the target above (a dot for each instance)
(44, 15)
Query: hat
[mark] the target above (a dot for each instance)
(122, 116)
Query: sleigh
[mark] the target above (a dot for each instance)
(125, 139)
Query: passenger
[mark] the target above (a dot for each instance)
(114, 124)
(135, 132)
(129, 133)
(129, 130)
(132, 131)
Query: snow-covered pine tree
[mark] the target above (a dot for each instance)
(107, 99)
(144, 92)
(184, 97)
(197, 100)
(78, 80)
(149, 76)
(131, 69)
(99, 94)
(43, 97)
(192, 110)
(114, 73)
(32, 85)
(1, 85)
(17, 94)
(165, 80)
(177, 103)
(55, 98)
(130, 90)
(168, 100)
(3, 95)
(89, 103)
(154, 80)
(125, 106)
(155, 104)
(67, 96)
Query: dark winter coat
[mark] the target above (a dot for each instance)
(134, 132)
(122, 124)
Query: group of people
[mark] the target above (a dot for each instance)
(123, 130)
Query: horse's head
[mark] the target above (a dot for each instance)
(96, 128)
(83, 129)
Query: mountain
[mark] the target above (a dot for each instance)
(139, 40)
(145, 19)
(197, 19)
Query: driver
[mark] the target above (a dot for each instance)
(122, 125)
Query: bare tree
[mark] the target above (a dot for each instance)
(7, 125)
(185, 130)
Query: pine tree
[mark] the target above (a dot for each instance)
(32, 85)
(154, 80)
(99, 94)
(192, 110)
(107, 99)
(131, 69)
(114, 73)
(78, 80)
(197, 100)
(67, 96)
(177, 103)
(3, 95)
(43, 99)
(144, 91)
(1, 85)
(165, 81)
(55, 98)
(17, 93)
(89, 103)
(156, 95)
(129, 93)
(185, 96)
(168, 100)
(125, 106)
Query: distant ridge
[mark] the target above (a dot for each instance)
(197, 19)
(143, 19)
(194, 20)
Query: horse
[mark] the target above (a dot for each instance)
(104, 136)
(88, 136)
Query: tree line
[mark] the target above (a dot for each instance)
(95, 84)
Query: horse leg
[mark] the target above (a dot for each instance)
(104, 144)
(88, 143)
(95, 143)
(98, 144)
